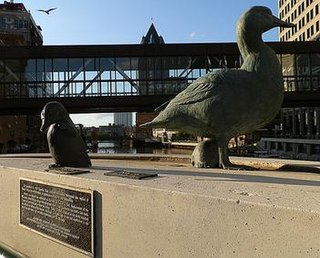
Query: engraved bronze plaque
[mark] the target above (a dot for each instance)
(130, 174)
(58, 212)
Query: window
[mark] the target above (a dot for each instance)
(281, 3)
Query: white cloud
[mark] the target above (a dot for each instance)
(193, 34)
(94, 119)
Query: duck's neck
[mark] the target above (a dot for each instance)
(249, 41)
(257, 56)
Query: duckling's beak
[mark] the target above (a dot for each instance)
(279, 23)
(44, 124)
(44, 127)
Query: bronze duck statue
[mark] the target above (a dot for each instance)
(228, 103)
(66, 146)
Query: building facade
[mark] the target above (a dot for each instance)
(17, 28)
(298, 133)
(123, 119)
(305, 14)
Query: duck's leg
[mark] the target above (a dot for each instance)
(224, 161)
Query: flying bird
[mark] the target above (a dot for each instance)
(47, 11)
(227, 103)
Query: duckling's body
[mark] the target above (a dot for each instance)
(66, 146)
(228, 103)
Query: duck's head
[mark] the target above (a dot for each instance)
(259, 19)
(53, 112)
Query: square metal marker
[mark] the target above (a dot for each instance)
(130, 174)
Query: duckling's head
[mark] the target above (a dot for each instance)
(259, 19)
(53, 112)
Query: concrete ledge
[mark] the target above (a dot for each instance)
(7, 251)
(185, 212)
(259, 163)
(122, 156)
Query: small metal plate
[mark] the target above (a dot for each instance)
(66, 170)
(130, 174)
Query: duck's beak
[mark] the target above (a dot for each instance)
(279, 23)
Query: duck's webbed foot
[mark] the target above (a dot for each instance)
(231, 166)
(54, 165)
(205, 155)
(225, 163)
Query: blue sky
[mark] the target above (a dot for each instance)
(126, 21)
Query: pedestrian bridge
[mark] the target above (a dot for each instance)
(127, 78)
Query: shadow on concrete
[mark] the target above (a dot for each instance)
(300, 168)
(98, 250)
(230, 176)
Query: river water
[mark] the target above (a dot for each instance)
(113, 147)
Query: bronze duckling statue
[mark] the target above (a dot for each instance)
(228, 103)
(66, 146)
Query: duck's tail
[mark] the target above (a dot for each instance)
(154, 124)
(160, 121)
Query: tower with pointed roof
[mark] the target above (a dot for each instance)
(152, 37)
(153, 80)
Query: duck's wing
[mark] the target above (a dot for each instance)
(214, 85)
(210, 93)
(56, 130)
